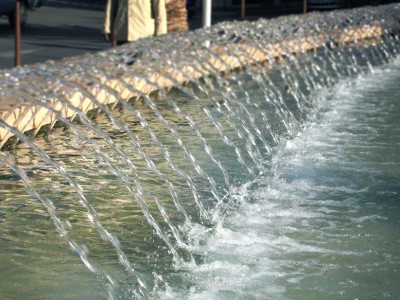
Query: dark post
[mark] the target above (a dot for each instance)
(243, 10)
(304, 6)
(17, 34)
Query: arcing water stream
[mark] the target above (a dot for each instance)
(322, 222)
(279, 181)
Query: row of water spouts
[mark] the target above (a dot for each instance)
(286, 84)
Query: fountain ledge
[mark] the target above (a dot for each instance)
(16, 112)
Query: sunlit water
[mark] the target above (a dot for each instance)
(278, 181)
(321, 222)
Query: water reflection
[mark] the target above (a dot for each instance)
(126, 186)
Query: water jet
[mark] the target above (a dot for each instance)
(247, 152)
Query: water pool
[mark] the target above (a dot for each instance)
(320, 222)
(279, 181)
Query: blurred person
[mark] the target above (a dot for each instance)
(129, 20)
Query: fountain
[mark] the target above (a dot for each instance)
(238, 161)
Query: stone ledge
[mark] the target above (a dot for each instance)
(25, 117)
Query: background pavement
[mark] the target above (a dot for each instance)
(64, 28)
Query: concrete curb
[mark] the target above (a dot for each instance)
(74, 3)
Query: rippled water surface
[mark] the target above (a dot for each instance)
(323, 222)
(320, 222)
(279, 181)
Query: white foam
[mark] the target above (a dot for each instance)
(300, 227)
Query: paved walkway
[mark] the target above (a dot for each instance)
(64, 28)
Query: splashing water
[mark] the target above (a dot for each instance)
(322, 222)
(278, 181)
